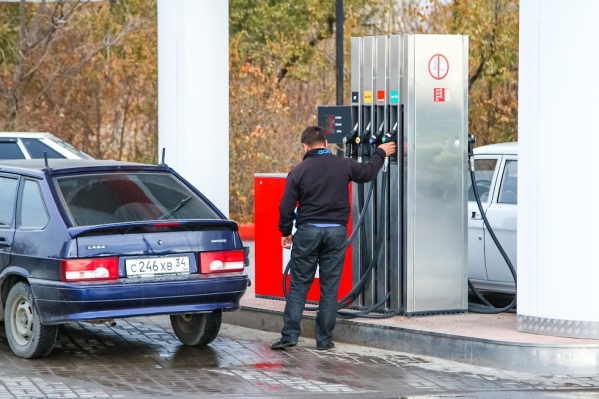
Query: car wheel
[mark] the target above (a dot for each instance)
(27, 336)
(197, 329)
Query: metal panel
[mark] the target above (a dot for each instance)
(368, 68)
(395, 58)
(368, 87)
(356, 70)
(395, 175)
(382, 65)
(368, 115)
(356, 102)
(382, 182)
(408, 95)
(465, 178)
(435, 182)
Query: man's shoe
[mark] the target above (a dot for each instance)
(328, 346)
(282, 344)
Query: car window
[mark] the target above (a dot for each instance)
(33, 214)
(483, 172)
(36, 149)
(508, 193)
(8, 194)
(11, 150)
(128, 197)
(69, 147)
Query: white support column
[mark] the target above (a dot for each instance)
(558, 216)
(193, 93)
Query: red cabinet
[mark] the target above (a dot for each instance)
(270, 257)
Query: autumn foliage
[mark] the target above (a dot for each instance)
(282, 67)
(87, 72)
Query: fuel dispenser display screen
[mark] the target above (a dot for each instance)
(336, 122)
(329, 124)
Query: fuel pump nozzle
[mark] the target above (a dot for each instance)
(390, 136)
(375, 138)
(349, 140)
(364, 136)
(471, 141)
(361, 139)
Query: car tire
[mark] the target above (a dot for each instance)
(27, 336)
(197, 329)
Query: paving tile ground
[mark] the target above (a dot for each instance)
(141, 358)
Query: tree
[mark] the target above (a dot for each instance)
(493, 83)
(282, 67)
(84, 71)
(492, 26)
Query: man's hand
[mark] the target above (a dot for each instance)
(389, 148)
(287, 241)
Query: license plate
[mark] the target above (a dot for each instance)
(155, 267)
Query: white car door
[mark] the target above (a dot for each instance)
(502, 215)
(485, 171)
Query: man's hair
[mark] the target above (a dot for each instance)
(313, 135)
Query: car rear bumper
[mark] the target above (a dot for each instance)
(59, 302)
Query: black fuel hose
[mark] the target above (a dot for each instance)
(352, 295)
(349, 241)
(487, 308)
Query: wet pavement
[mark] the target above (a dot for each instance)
(141, 358)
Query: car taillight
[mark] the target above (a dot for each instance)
(166, 224)
(221, 261)
(89, 269)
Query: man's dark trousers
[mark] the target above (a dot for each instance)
(311, 245)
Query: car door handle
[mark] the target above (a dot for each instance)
(4, 243)
(476, 216)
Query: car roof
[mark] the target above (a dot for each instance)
(37, 166)
(36, 135)
(498, 149)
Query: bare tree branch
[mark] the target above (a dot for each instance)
(477, 72)
(57, 23)
(29, 40)
(28, 77)
(106, 43)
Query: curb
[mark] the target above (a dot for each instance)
(514, 356)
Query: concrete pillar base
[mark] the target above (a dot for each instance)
(557, 328)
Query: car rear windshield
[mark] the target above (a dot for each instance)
(128, 197)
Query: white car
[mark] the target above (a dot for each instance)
(496, 171)
(19, 145)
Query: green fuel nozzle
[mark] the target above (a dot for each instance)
(390, 136)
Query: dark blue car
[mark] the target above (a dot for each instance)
(91, 240)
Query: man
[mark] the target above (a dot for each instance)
(319, 184)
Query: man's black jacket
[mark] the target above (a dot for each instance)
(319, 184)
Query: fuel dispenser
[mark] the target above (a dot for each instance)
(410, 248)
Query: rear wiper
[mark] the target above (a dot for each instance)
(175, 209)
